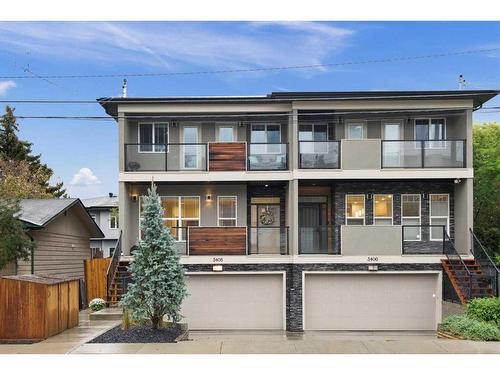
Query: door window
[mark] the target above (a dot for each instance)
(226, 133)
(356, 131)
(410, 215)
(191, 147)
(439, 215)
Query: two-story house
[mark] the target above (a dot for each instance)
(104, 211)
(306, 210)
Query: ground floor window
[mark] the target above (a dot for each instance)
(410, 215)
(439, 211)
(355, 209)
(226, 211)
(382, 214)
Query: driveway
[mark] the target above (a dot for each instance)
(255, 342)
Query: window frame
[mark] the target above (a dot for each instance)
(447, 227)
(355, 218)
(383, 217)
(232, 125)
(110, 220)
(153, 127)
(350, 122)
(413, 217)
(266, 144)
(429, 120)
(227, 218)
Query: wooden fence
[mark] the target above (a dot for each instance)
(95, 278)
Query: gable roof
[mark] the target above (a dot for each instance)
(101, 202)
(38, 213)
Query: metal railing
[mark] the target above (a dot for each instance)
(113, 265)
(319, 154)
(268, 240)
(423, 154)
(267, 156)
(165, 157)
(488, 267)
(423, 239)
(320, 239)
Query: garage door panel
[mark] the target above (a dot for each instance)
(234, 301)
(370, 302)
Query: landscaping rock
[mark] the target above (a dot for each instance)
(141, 334)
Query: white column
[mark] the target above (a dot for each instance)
(293, 216)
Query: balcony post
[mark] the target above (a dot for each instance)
(122, 122)
(293, 216)
(293, 140)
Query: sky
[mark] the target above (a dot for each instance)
(84, 153)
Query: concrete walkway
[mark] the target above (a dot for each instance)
(254, 342)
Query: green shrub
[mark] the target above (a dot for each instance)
(471, 329)
(484, 309)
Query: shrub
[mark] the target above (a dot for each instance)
(97, 304)
(471, 329)
(484, 309)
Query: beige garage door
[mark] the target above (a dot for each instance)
(370, 302)
(234, 301)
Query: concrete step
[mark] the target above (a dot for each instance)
(112, 313)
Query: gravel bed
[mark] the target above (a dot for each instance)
(138, 334)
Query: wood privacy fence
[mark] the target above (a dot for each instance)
(95, 278)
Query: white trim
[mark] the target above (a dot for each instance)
(109, 221)
(384, 217)
(282, 273)
(439, 217)
(152, 123)
(349, 122)
(235, 210)
(438, 290)
(354, 218)
(222, 124)
(413, 217)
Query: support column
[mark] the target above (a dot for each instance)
(293, 136)
(124, 211)
(464, 214)
(293, 216)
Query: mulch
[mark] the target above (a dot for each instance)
(139, 334)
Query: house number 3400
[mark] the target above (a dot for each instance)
(372, 259)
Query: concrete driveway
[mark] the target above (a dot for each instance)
(254, 342)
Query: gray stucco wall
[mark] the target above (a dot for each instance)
(360, 154)
(371, 240)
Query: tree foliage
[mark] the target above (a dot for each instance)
(12, 150)
(486, 139)
(15, 242)
(18, 180)
(158, 283)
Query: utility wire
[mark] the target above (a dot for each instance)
(249, 70)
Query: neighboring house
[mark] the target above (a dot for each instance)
(305, 210)
(61, 230)
(100, 209)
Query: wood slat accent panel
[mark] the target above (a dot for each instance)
(227, 156)
(96, 282)
(217, 240)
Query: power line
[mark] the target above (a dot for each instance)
(249, 70)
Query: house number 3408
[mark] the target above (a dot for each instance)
(218, 260)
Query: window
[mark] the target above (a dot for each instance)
(355, 209)
(314, 137)
(153, 137)
(179, 212)
(430, 129)
(410, 215)
(226, 211)
(113, 221)
(111, 251)
(266, 133)
(439, 215)
(356, 130)
(226, 133)
(382, 214)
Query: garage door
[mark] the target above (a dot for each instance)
(370, 302)
(234, 301)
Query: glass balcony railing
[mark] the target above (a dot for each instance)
(423, 154)
(268, 240)
(321, 239)
(319, 154)
(267, 156)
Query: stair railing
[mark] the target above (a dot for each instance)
(113, 265)
(487, 265)
(453, 255)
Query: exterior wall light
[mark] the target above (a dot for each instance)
(134, 197)
(208, 197)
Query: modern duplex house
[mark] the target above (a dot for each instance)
(308, 210)
(101, 210)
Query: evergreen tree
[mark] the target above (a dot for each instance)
(12, 148)
(158, 282)
(14, 240)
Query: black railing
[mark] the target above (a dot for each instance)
(115, 259)
(267, 156)
(165, 157)
(423, 154)
(488, 266)
(319, 154)
(423, 239)
(320, 239)
(268, 240)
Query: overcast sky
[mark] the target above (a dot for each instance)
(84, 154)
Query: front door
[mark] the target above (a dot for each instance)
(266, 232)
(311, 233)
(191, 148)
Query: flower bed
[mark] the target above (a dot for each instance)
(142, 334)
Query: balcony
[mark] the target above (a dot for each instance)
(267, 156)
(319, 239)
(268, 240)
(423, 154)
(319, 154)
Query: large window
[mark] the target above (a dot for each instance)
(226, 211)
(430, 129)
(410, 215)
(355, 209)
(382, 213)
(439, 215)
(178, 214)
(153, 137)
(266, 133)
(314, 138)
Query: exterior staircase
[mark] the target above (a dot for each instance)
(471, 278)
(119, 284)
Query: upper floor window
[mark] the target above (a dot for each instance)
(433, 129)
(269, 134)
(355, 209)
(313, 138)
(226, 211)
(153, 137)
(382, 214)
(226, 132)
(113, 221)
(356, 130)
